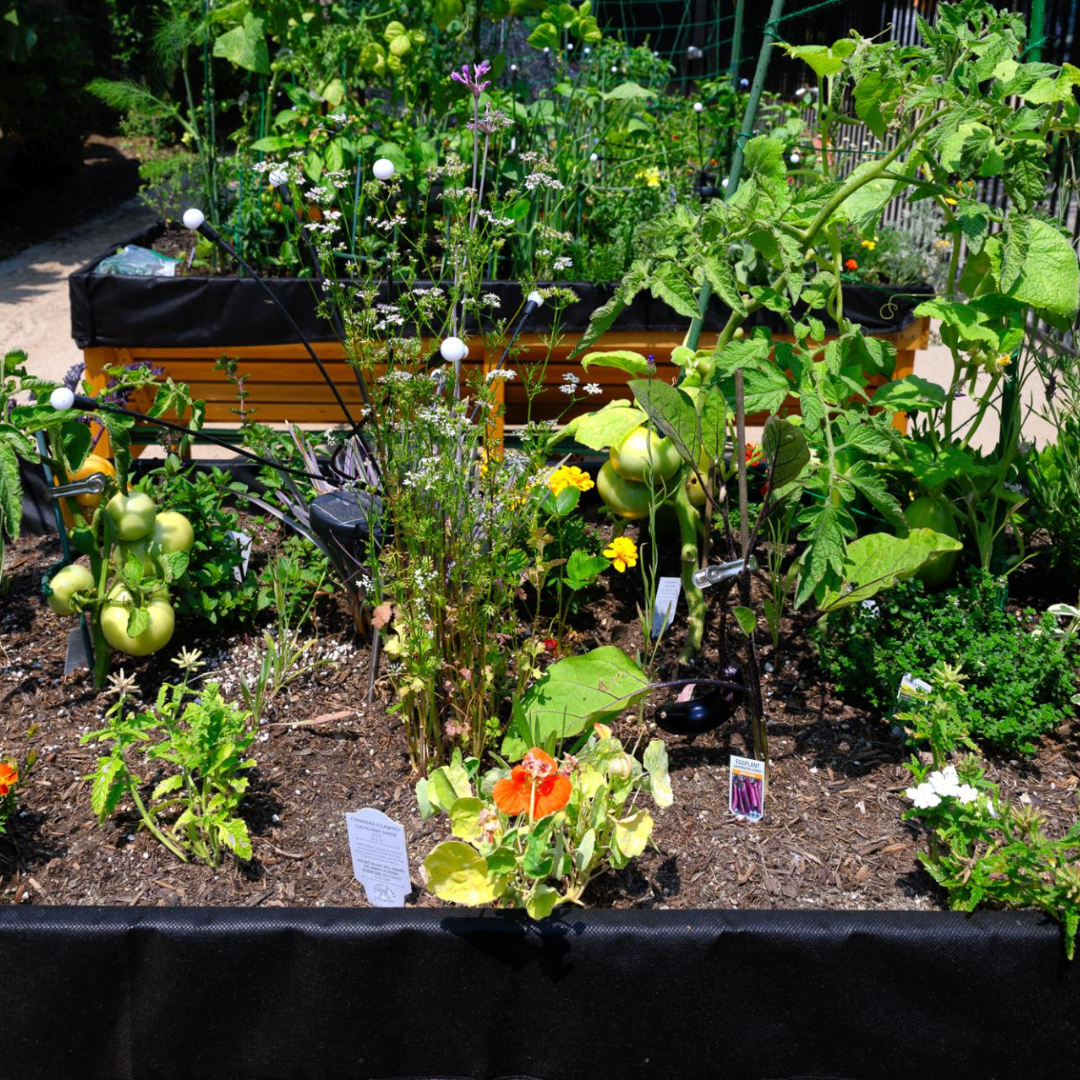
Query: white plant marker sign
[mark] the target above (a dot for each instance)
(380, 861)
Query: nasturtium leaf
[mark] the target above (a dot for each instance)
(583, 853)
(502, 860)
(457, 873)
(656, 765)
(595, 686)
(542, 902)
(632, 833)
(465, 818)
(879, 560)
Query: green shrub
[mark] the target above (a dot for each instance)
(1053, 477)
(1019, 682)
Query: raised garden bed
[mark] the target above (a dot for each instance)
(184, 325)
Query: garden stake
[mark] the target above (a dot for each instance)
(195, 221)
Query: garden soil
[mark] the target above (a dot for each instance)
(832, 836)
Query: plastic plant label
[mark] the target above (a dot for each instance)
(76, 651)
(242, 538)
(667, 597)
(746, 788)
(380, 861)
(913, 691)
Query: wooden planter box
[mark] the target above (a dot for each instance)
(185, 325)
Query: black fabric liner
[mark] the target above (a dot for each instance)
(189, 312)
(229, 993)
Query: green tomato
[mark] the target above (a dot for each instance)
(693, 489)
(133, 515)
(141, 550)
(114, 621)
(172, 532)
(65, 584)
(627, 498)
(643, 452)
(933, 513)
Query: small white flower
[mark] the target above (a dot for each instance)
(571, 378)
(945, 781)
(567, 388)
(279, 177)
(338, 118)
(923, 797)
(592, 388)
(966, 794)
(500, 373)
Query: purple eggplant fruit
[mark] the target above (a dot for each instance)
(705, 713)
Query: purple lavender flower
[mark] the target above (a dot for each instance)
(474, 84)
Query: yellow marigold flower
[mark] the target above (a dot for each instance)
(869, 244)
(651, 176)
(951, 202)
(622, 551)
(569, 476)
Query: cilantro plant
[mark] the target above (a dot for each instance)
(198, 740)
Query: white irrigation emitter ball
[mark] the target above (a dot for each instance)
(278, 177)
(383, 169)
(594, 157)
(698, 107)
(61, 399)
(535, 298)
(193, 218)
(795, 159)
(453, 349)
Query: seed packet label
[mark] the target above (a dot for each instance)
(667, 598)
(380, 861)
(242, 538)
(913, 690)
(76, 651)
(746, 788)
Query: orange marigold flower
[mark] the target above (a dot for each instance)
(535, 783)
(851, 264)
(753, 453)
(9, 777)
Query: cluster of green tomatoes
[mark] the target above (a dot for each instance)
(115, 597)
(638, 470)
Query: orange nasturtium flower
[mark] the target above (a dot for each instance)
(851, 264)
(9, 777)
(535, 787)
(754, 453)
(569, 476)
